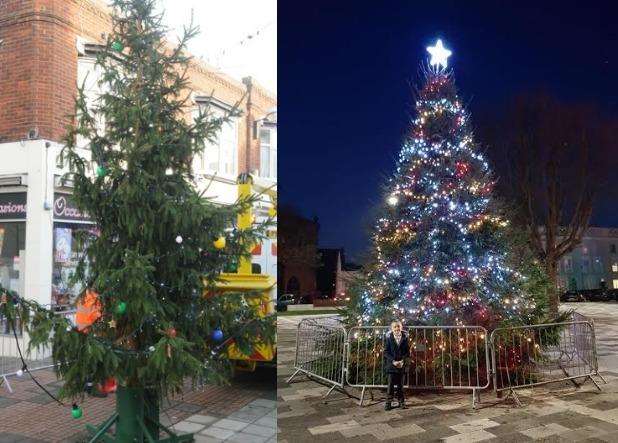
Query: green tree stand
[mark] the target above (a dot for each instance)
(136, 420)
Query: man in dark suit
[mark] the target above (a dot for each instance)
(396, 354)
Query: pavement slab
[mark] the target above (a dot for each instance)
(552, 413)
(29, 415)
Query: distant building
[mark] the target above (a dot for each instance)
(334, 274)
(593, 264)
(298, 254)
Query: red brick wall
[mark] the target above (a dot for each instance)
(16, 70)
(38, 71)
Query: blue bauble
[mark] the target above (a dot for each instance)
(217, 335)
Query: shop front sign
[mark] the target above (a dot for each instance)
(66, 210)
(13, 206)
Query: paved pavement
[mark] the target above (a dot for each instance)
(242, 412)
(554, 413)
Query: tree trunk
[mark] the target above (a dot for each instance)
(553, 295)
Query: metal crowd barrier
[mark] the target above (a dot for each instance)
(10, 361)
(320, 351)
(449, 357)
(527, 356)
(441, 357)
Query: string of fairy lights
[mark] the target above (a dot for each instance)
(436, 253)
(63, 322)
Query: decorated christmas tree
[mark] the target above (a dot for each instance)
(152, 269)
(441, 252)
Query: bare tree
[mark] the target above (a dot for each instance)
(550, 173)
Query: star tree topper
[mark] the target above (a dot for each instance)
(439, 55)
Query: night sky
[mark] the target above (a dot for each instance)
(345, 98)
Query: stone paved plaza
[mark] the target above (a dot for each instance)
(553, 413)
(243, 412)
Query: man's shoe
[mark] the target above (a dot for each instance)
(402, 404)
(387, 406)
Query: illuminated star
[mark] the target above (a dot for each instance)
(439, 55)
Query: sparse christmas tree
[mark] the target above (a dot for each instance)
(440, 249)
(160, 246)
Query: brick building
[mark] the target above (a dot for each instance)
(299, 257)
(47, 48)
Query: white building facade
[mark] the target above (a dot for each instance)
(593, 264)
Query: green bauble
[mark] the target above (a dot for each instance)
(77, 412)
(121, 307)
(101, 171)
(117, 46)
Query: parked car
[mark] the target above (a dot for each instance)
(572, 296)
(284, 301)
(601, 295)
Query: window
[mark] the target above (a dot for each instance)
(612, 248)
(585, 265)
(221, 155)
(614, 267)
(568, 264)
(88, 75)
(268, 153)
(12, 249)
(615, 283)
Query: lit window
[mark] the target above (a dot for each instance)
(568, 265)
(615, 267)
(615, 282)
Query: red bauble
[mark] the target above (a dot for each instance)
(171, 332)
(461, 169)
(109, 386)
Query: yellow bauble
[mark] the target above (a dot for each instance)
(219, 243)
(272, 212)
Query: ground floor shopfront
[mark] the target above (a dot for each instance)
(41, 267)
(43, 234)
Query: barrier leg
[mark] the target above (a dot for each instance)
(595, 383)
(6, 382)
(601, 377)
(362, 397)
(476, 398)
(289, 380)
(329, 391)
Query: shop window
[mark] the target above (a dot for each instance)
(70, 242)
(12, 247)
